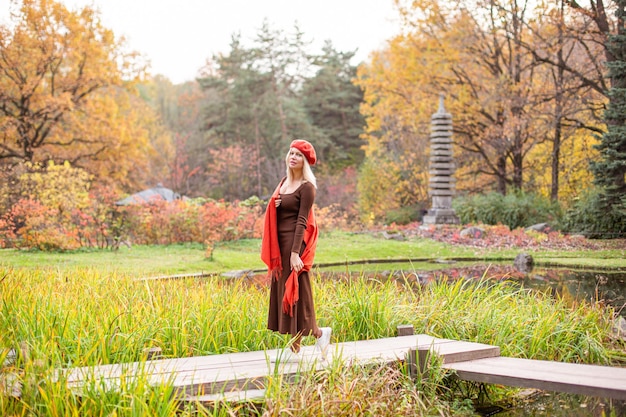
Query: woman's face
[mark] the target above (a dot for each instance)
(295, 159)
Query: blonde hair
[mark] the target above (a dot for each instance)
(307, 172)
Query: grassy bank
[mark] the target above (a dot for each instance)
(83, 316)
(336, 247)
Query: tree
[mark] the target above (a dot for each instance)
(567, 107)
(253, 102)
(610, 170)
(491, 83)
(66, 93)
(332, 102)
(601, 38)
(178, 157)
(470, 51)
(236, 111)
(603, 211)
(511, 111)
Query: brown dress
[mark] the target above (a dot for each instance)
(291, 216)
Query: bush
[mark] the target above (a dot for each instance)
(592, 216)
(517, 209)
(403, 215)
(31, 224)
(202, 221)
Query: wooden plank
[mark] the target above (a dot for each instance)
(214, 374)
(210, 376)
(232, 396)
(406, 330)
(460, 351)
(592, 380)
(457, 351)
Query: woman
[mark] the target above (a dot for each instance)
(288, 249)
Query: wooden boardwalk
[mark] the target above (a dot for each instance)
(591, 380)
(244, 375)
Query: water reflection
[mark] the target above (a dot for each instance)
(565, 405)
(604, 286)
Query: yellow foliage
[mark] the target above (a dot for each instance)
(71, 97)
(499, 97)
(576, 155)
(59, 187)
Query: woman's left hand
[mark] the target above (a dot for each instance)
(295, 262)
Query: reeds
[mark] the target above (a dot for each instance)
(86, 317)
(524, 323)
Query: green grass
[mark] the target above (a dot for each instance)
(335, 247)
(138, 260)
(81, 316)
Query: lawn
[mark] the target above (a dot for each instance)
(333, 248)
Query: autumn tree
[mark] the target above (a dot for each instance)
(66, 94)
(179, 152)
(569, 50)
(60, 187)
(50, 212)
(471, 52)
(600, 39)
(512, 112)
(396, 109)
(599, 36)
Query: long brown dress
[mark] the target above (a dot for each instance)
(291, 216)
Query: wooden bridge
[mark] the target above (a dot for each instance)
(237, 376)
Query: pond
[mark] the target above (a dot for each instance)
(604, 286)
(550, 404)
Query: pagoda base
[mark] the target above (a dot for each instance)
(440, 216)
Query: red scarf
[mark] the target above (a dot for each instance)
(270, 251)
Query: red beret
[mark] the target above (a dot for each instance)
(306, 148)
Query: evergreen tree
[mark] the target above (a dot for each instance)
(332, 102)
(610, 170)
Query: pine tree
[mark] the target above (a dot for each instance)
(610, 170)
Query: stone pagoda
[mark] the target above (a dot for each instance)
(441, 184)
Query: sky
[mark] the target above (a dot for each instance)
(178, 36)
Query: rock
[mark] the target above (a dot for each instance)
(619, 328)
(540, 227)
(523, 262)
(473, 232)
(10, 358)
(577, 236)
(237, 274)
(153, 353)
(393, 236)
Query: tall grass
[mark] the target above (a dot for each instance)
(87, 317)
(522, 322)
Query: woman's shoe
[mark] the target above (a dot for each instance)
(324, 340)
